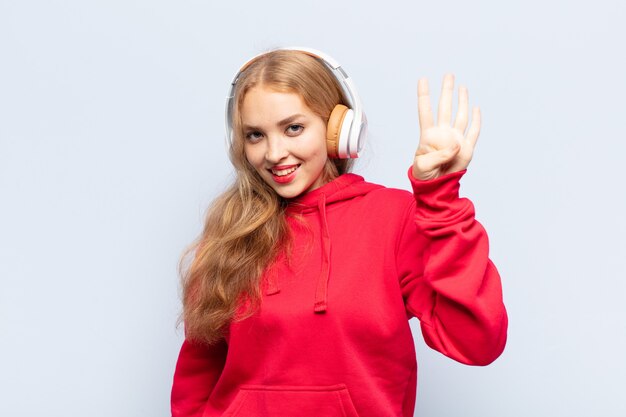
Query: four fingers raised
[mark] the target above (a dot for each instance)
(444, 114)
(433, 155)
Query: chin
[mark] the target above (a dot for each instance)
(288, 194)
(292, 190)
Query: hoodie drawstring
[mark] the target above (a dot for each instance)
(343, 188)
(322, 283)
(321, 291)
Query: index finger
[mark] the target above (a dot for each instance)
(423, 105)
(445, 101)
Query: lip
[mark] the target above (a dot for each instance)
(284, 179)
(281, 167)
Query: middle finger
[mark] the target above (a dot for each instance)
(445, 101)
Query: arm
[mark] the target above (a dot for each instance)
(446, 276)
(197, 371)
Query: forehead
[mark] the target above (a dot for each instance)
(262, 105)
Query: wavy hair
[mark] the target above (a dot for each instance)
(245, 227)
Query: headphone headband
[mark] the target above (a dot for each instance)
(358, 127)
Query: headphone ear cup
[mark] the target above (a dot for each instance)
(334, 129)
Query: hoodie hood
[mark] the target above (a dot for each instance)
(342, 188)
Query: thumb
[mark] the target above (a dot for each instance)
(446, 155)
(432, 160)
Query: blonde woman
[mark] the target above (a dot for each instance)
(301, 285)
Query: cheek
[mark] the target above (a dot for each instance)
(317, 147)
(251, 155)
(322, 156)
(321, 153)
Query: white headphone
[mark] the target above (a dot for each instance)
(347, 126)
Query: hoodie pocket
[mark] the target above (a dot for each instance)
(288, 401)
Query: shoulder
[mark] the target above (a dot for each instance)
(382, 200)
(392, 193)
(381, 213)
(389, 196)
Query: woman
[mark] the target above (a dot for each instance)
(302, 283)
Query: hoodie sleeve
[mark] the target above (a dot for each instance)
(197, 371)
(447, 279)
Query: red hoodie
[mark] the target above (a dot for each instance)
(332, 337)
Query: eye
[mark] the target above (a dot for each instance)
(294, 130)
(254, 137)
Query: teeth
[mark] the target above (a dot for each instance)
(284, 172)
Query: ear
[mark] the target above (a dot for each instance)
(333, 129)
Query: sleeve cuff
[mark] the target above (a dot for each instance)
(422, 186)
(438, 198)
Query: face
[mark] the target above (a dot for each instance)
(284, 141)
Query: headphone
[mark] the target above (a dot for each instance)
(347, 125)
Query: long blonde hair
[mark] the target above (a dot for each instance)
(245, 227)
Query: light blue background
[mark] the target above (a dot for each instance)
(111, 148)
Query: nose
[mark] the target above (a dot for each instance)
(276, 149)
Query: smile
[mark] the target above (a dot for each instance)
(284, 174)
(284, 171)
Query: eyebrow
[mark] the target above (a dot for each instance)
(281, 123)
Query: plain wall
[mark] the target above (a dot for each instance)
(112, 146)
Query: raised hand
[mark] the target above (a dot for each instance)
(444, 148)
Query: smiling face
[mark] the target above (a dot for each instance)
(284, 141)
